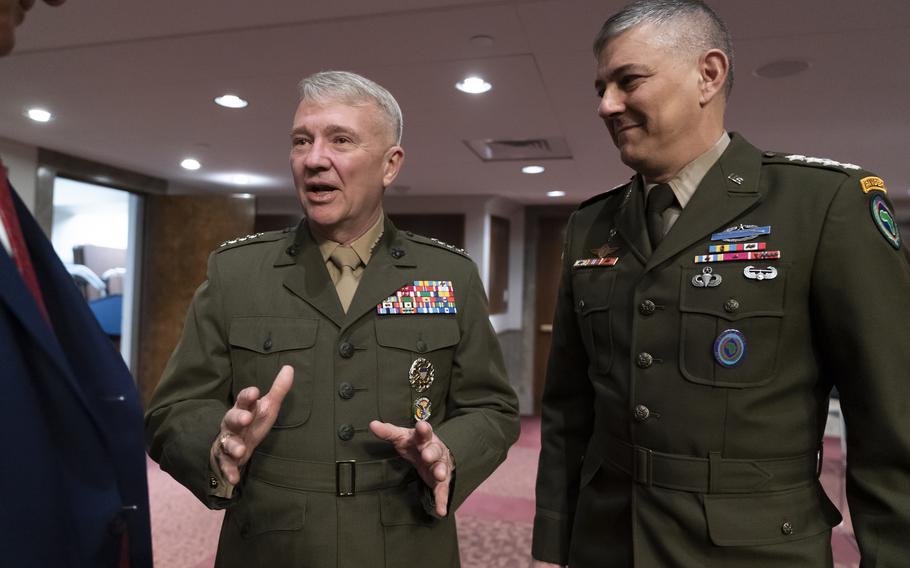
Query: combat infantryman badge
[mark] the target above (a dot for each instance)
(422, 409)
(741, 233)
(421, 374)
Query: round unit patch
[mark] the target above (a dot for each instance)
(729, 348)
(421, 374)
(422, 409)
(884, 220)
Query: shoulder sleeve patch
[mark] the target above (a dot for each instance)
(885, 221)
(873, 183)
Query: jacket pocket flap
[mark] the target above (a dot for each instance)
(417, 333)
(265, 508)
(769, 518)
(403, 505)
(265, 335)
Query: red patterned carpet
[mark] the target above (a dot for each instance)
(494, 524)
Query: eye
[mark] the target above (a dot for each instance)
(299, 141)
(627, 82)
(342, 140)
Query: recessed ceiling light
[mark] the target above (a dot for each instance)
(781, 68)
(243, 195)
(240, 179)
(474, 85)
(556, 193)
(482, 40)
(231, 101)
(533, 169)
(39, 115)
(190, 164)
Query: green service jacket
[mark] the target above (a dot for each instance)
(269, 301)
(654, 453)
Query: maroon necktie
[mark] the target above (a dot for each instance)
(17, 243)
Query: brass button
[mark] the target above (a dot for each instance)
(644, 360)
(397, 253)
(267, 345)
(213, 482)
(292, 250)
(731, 306)
(421, 346)
(786, 528)
(647, 308)
(346, 391)
(346, 350)
(641, 412)
(581, 304)
(345, 432)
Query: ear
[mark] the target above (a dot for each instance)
(713, 68)
(392, 161)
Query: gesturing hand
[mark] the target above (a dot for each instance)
(423, 448)
(248, 422)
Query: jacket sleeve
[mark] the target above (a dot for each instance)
(184, 415)
(861, 316)
(482, 421)
(566, 424)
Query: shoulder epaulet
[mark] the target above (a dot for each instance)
(267, 236)
(801, 160)
(432, 241)
(600, 196)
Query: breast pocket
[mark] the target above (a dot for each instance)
(730, 333)
(593, 292)
(425, 343)
(260, 345)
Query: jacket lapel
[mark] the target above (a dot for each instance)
(630, 220)
(717, 201)
(385, 273)
(308, 279)
(20, 303)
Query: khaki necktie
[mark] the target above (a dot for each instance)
(346, 260)
(660, 198)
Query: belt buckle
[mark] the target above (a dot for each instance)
(345, 478)
(642, 458)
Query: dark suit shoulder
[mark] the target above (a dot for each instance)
(255, 238)
(435, 243)
(601, 196)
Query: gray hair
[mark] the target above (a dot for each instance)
(693, 26)
(353, 89)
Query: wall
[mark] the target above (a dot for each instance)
(22, 162)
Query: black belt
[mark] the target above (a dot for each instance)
(713, 474)
(343, 478)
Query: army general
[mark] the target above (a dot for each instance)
(706, 310)
(337, 387)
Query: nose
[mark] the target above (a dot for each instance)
(611, 103)
(317, 156)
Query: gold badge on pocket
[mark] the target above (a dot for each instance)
(421, 374)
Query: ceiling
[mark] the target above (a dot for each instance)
(131, 83)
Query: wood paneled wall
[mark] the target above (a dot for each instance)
(179, 233)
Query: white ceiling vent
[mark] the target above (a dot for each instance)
(532, 149)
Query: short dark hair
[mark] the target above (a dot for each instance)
(701, 27)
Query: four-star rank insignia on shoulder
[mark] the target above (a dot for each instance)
(421, 297)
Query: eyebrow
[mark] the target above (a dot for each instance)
(329, 130)
(599, 83)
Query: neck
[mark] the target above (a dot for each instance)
(694, 145)
(345, 235)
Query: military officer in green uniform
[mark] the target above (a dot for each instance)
(337, 387)
(706, 310)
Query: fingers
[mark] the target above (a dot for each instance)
(281, 386)
(388, 432)
(441, 494)
(424, 432)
